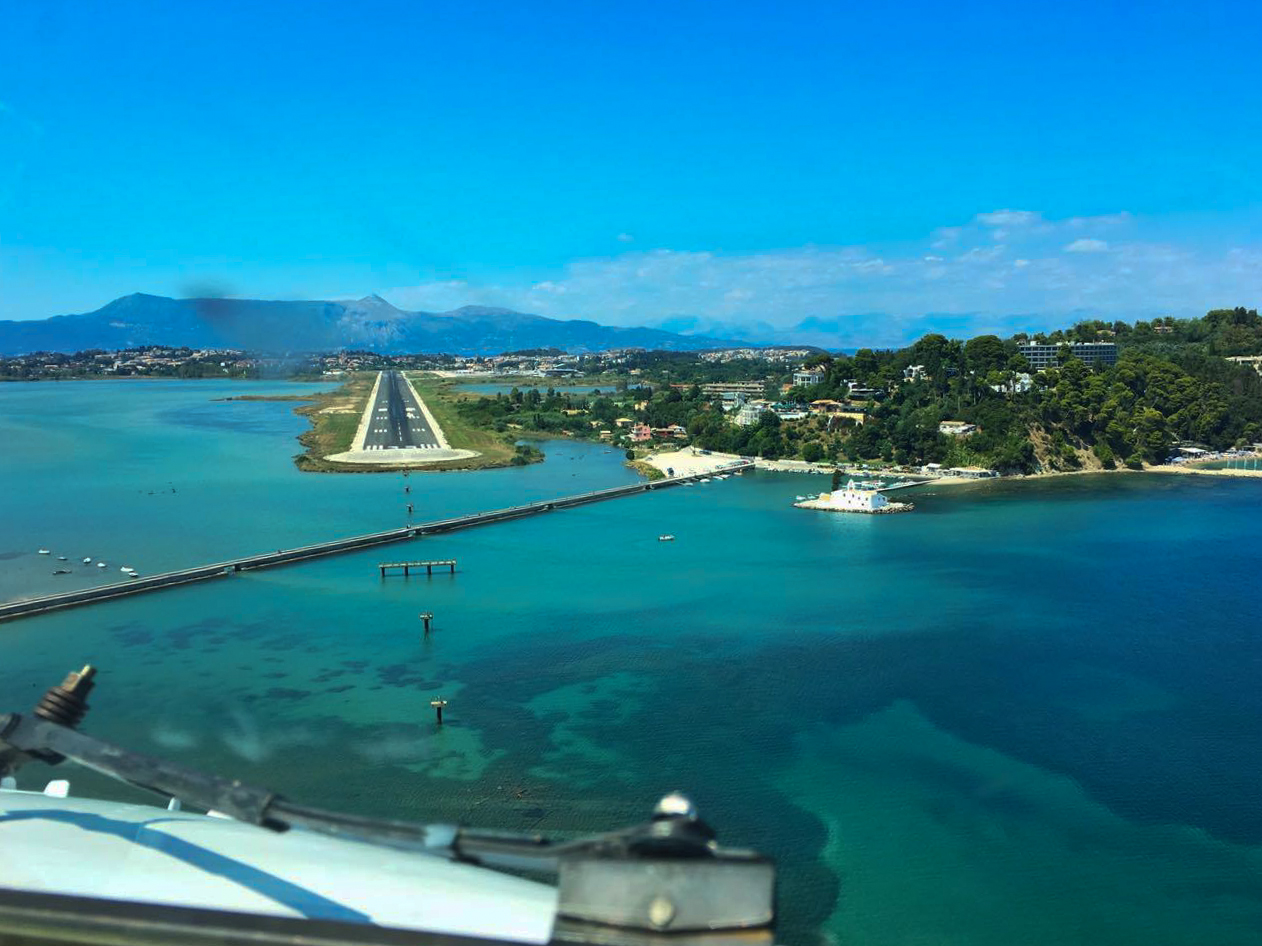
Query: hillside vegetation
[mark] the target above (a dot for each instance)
(1172, 383)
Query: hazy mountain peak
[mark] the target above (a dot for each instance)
(373, 303)
(315, 325)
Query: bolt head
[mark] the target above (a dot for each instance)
(675, 804)
(661, 912)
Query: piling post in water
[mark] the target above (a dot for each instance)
(438, 705)
(426, 617)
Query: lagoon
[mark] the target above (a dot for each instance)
(1027, 712)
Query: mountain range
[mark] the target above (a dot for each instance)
(370, 324)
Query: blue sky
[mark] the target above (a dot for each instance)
(876, 169)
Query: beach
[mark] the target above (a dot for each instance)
(689, 461)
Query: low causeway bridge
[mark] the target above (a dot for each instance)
(30, 606)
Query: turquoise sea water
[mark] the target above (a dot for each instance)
(1025, 713)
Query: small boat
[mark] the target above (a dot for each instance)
(87, 561)
(800, 499)
(721, 476)
(127, 569)
(62, 571)
(665, 538)
(101, 565)
(44, 552)
(705, 479)
(133, 574)
(739, 473)
(61, 558)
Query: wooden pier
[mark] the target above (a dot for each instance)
(30, 606)
(428, 566)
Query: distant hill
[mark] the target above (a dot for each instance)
(370, 323)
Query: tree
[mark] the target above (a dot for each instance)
(985, 353)
(813, 451)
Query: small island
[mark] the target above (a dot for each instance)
(854, 498)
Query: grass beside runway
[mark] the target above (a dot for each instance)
(335, 418)
(496, 449)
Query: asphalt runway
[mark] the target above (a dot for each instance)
(397, 419)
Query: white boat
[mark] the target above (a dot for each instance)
(87, 561)
(44, 552)
(61, 558)
(126, 569)
(800, 499)
(705, 479)
(666, 538)
(101, 565)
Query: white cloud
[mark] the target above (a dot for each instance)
(1103, 220)
(973, 287)
(1009, 218)
(1086, 245)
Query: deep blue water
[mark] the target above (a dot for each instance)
(1024, 713)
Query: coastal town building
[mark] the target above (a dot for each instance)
(859, 392)
(805, 377)
(775, 355)
(673, 432)
(854, 499)
(956, 428)
(749, 413)
(641, 433)
(790, 411)
(914, 373)
(1020, 383)
(1042, 355)
(1254, 361)
(754, 388)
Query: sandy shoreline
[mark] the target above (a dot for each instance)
(687, 462)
